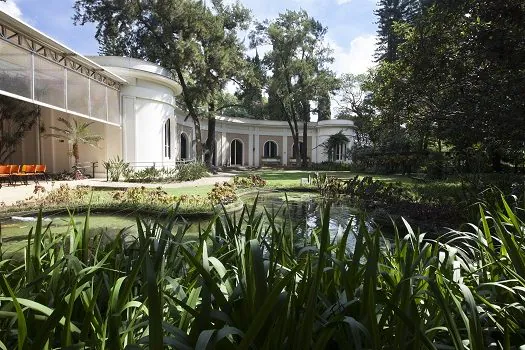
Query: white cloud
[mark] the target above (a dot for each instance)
(357, 58)
(341, 2)
(11, 8)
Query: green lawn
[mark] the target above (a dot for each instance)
(292, 178)
(193, 190)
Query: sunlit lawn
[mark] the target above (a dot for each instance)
(292, 178)
(193, 190)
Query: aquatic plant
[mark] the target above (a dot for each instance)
(248, 282)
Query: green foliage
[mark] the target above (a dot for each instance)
(446, 87)
(298, 62)
(149, 174)
(191, 171)
(116, 167)
(248, 282)
(182, 172)
(65, 194)
(331, 144)
(143, 195)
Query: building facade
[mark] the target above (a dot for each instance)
(131, 104)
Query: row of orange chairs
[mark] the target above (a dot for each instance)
(12, 173)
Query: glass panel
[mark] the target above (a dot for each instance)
(98, 101)
(113, 106)
(49, 82)
(15, 70)
(77, 93)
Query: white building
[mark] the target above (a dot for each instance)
(132, 106)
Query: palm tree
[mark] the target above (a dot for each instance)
(75, 133)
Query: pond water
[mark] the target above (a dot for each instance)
(303, 209)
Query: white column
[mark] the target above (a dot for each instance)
(257, 148)
(224, 148)
(250, 147)
(315, 136)
(285, 149)
(129, 135)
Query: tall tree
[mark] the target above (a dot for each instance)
(197, 42)
(390, 13)
(355, 103)
(298, 62)
(250, 94)
(323, 107)
(459, 79)
(16, 117)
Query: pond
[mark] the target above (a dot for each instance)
(303, 209)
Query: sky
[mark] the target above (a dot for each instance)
(351, 25)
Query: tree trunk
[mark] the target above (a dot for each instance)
(76, 154)
(304, 151)
(296, 154)
(210, 142)
(198, 138)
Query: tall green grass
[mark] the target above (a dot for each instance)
(249, 282)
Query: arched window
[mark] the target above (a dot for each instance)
(167, 139)
(270, 149)
(183, 146)
(236, 152)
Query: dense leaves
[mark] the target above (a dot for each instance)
(457, 82)
(247, 281)
(298, 62)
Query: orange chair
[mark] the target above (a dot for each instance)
(5, 173)
(40, 170)
(25, 172)
(14, 169)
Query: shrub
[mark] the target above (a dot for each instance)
(222, 193)
(116, 167)
(149, 174)
(191, 171)
(65, 194)
(249, 181)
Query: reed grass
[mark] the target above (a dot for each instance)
(248, 282)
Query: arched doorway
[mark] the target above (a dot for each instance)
(236, 152)
(183, 146)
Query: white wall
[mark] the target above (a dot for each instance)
(147, 101)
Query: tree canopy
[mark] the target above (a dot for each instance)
(457, 80)
(298, 62)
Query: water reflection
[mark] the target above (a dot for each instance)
(304, 212)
